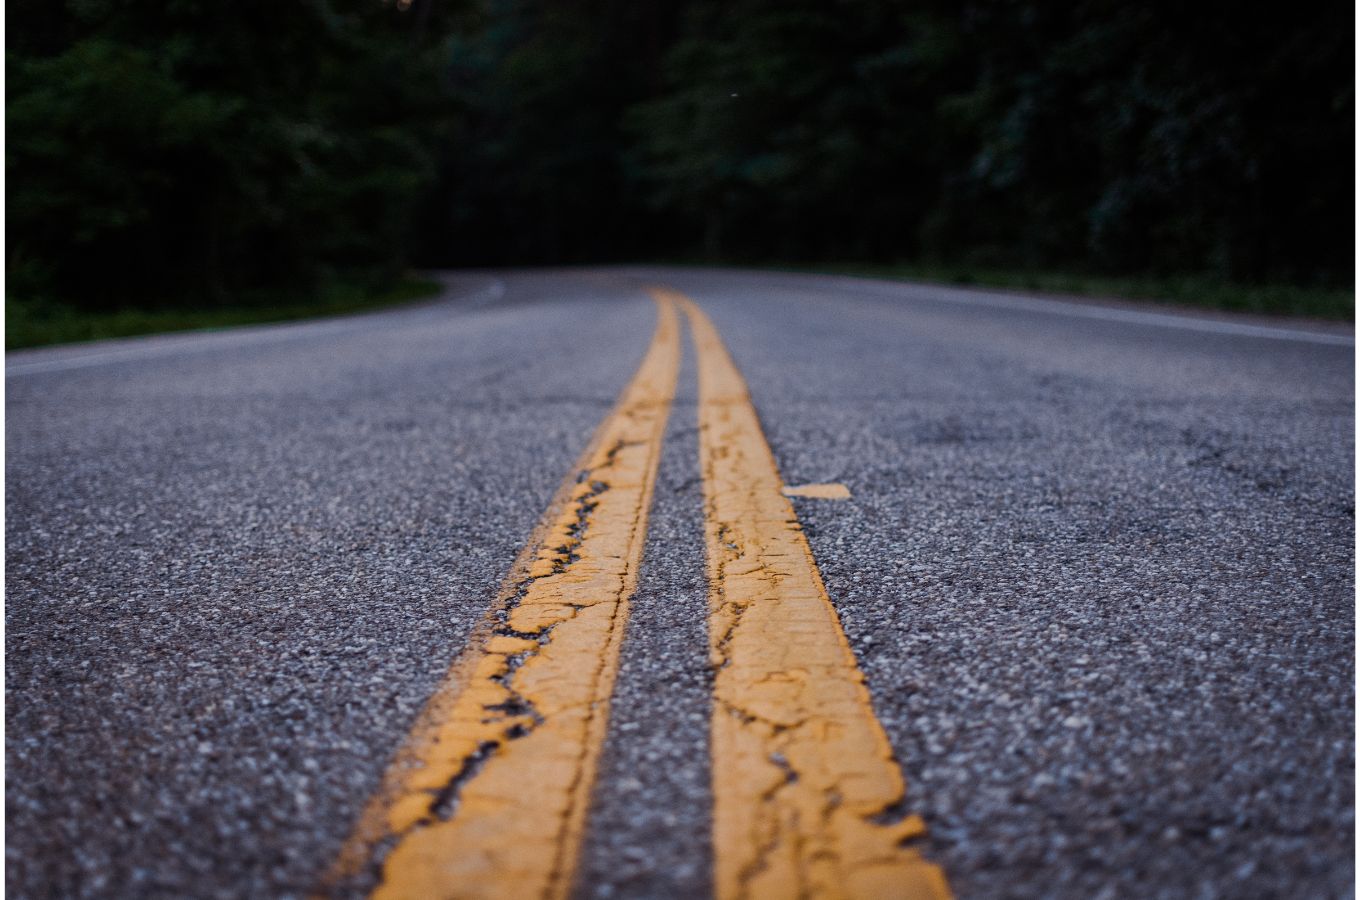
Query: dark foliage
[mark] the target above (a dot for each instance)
(197, 150)
(204, 149)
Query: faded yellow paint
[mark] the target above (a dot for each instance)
(490, 797)
(833, 491)
(806, 790)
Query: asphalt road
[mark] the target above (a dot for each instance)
(1097, 566)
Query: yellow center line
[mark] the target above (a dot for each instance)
(807, 793)
(489, 797)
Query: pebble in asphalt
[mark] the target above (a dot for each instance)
(1099, 577)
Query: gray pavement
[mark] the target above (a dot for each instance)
(1097, 567)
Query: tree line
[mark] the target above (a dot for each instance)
(206, 151)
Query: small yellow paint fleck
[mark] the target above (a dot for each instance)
(833, 491)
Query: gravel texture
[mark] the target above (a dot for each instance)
(1099, 575)
(235, 575)
(649, 831)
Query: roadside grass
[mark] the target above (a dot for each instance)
(30, 323)
(1205, 293)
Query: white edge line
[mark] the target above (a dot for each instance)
(216, 340)
(968, 297)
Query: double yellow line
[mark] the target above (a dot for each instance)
(490, 794)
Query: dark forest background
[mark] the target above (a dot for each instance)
(193, 152)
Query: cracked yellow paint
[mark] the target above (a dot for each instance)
(807, 794)
(490, 797)
(833, 491)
